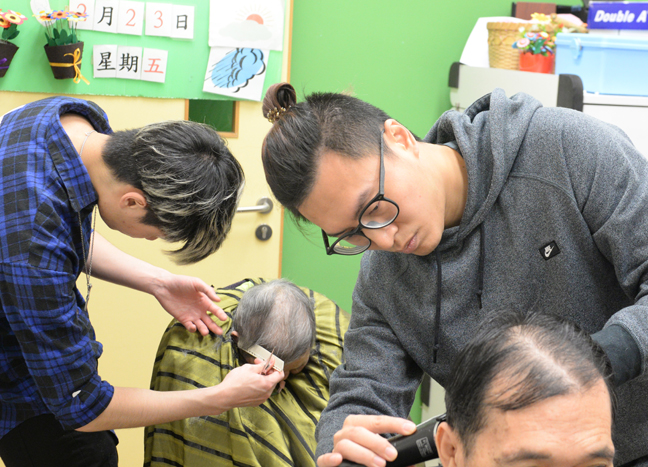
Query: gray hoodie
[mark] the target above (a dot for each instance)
(556, 219)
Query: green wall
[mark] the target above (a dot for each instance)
(394, 54)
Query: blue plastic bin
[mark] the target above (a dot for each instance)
(606, 64)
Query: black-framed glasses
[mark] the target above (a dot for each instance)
(378, 213)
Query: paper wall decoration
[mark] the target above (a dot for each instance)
(39, 5)
(87, 7)
(238, 72)
(129, 62)
(131, 18)
(159, 19)
(134, 17)
(183, 22)
(106, 14)
(154, 65)
(104, 61)
(246, 23)
(112, 61)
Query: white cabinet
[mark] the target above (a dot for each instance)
(630, 113)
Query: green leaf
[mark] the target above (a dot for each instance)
(64, 36)
(73, 38)
(10, 32)
(55, 33)
(13, 36)
(50, 41)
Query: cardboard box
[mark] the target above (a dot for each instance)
(606, 64)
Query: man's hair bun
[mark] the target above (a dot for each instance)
(278, 99)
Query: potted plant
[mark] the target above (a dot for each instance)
(9, 22)
(537, 44)
(64, 49)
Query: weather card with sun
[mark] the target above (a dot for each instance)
(236, 72)
(256, 24)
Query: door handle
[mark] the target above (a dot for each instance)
(263, 206)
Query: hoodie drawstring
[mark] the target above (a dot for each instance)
(480, 290)
(437, 319)
(480, 277)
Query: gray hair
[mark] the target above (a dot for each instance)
(190, 180)
(277, 315)
(515, 360)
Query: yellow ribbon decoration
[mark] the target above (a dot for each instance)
(76, 60)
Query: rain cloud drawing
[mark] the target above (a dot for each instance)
(237, 68)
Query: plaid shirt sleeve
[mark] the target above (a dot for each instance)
(48, 349)
(57, 343)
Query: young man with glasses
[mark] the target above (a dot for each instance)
(507, 205)
(376, 214)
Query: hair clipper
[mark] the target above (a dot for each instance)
(414, 448)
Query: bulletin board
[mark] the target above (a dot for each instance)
(187, 59)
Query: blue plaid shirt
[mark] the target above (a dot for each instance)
(48, 350)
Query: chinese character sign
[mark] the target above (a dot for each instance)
(112, 61)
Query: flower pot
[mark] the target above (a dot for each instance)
(7, 52)
(65, 61)
(536, 63)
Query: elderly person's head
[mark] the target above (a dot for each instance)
(528, 388)
(278, 316)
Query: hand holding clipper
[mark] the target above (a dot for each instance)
(414, 448)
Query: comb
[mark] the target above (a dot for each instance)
(259, 352)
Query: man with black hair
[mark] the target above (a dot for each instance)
(506, 205)
(174, 180)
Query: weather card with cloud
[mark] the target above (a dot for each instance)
(237, 72)
(253, 24)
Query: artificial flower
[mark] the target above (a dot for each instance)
(59, 14)
(14, 17)
(539, 37)
(77, 16)
(10, 20)
(61, 32)
(43, 16)
(540, 18)
(522, 43)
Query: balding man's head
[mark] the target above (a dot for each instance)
(518, 371)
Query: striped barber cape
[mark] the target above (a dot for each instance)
(280, 432)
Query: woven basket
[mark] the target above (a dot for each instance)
(501, 37)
